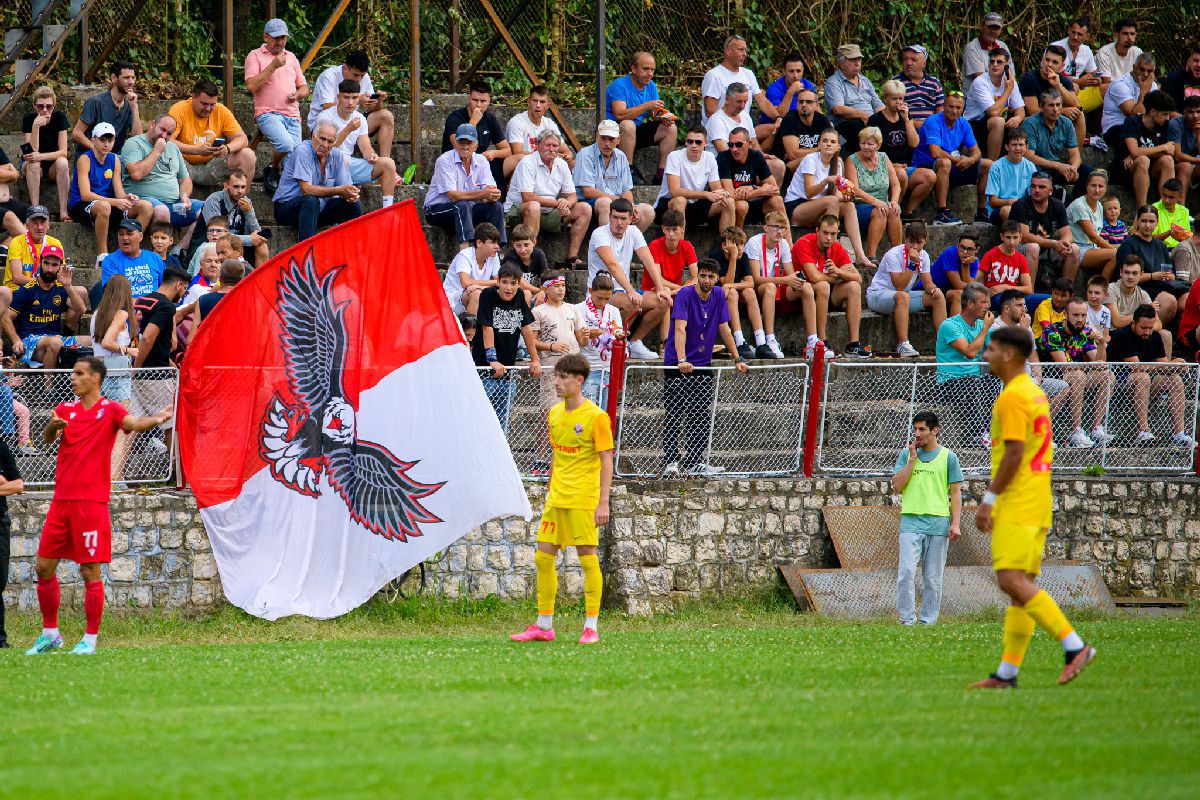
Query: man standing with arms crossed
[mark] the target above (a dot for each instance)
(577, 501)
(929, 478)
(1016, 511)
(78, 525)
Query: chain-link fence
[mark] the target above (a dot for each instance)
(713, 421)
(1126, 417)
(28, 398)
(521, 403)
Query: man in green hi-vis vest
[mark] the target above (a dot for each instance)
(930, 482)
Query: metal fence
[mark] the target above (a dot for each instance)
(521, 403)
(28, 398)
(867, 411)
(713, 421)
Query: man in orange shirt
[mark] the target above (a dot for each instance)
(209, 136)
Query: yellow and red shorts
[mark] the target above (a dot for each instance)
(569, 527)
(1018, 546)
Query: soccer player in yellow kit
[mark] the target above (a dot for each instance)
(1016, 510)
(577, 502)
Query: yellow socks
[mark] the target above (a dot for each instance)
(593, 586)
(1018, 630)
(1046, 613)
(547, 586)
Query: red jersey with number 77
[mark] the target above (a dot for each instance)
(85, 450)
(1022, 414)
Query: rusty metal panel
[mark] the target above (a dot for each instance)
(858, 594)
(866, 537)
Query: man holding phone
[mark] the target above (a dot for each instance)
(209, 136)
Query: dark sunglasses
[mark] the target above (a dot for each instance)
(736, 145)
(40, 106)
(695, 141)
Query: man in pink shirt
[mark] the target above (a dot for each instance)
(274, 77)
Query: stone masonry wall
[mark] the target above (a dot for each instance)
(666, 540)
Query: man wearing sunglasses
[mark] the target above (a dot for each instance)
(692, 185)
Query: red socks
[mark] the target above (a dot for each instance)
(48, 599)
(93, 604)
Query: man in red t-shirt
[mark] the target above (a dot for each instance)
(827, 266)
(676, 259)
(1003, 268)
(78, 526)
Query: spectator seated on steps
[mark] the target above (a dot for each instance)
(632, 102)
(233, 203)
(463, 191)
(381, 124)
(368, 166)
(209, 136)
(97, 192)
(316, 187)
(46, 131)
(154, 169)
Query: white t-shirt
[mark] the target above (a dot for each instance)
(811, 164)
(466, 262)
(520, 129)
(695, 176)
(893, 261)
(770, 259)
(1114, 65)
(347, 147)
(720, 124)
(597, 351)
(983, 94)
(557, 325)
(1122, 89)
(717, 79)
(623, 250)
(532, 175)
(325, 90)
(1081, 63)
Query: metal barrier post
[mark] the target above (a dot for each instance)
(616, 381)
(814, 408)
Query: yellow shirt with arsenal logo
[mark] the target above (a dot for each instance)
(19, 250)
(578, 438)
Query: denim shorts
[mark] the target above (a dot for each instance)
(179, 220)
(281, 131)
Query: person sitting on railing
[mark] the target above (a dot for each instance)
(1126, 294)
(34, 322)
(602, 324)
(822, 260)
(1142, 342)
(1073, 342)
(891, 291)
(960, 343)
(698, 316)
(504, 321)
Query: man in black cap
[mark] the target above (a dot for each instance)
(143, 268)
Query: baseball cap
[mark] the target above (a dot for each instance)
(849, 51)
(916, 48)
(103, 129)
(467, 131)
(131, 225)
(992, 18)
(608, 128)
(275, 27)
(53, 250)
(37, 211)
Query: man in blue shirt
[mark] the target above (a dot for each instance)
(602, 175)
(957, 266)
(1008, 179)
(315, 187)
(699, 315)
(947, 156)
(632, 102)
(143, 268)
(34, 322)
(784, 92)
(960, 343)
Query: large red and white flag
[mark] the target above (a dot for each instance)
(333, 426)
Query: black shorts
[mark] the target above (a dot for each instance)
(646, 133)
(16, 207)
(79, 213)
(756, 213)
(967, 177)
(979, 128)
(695, 215)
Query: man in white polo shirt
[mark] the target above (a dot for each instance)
(542, 192)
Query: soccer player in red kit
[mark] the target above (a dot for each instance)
(78, 526)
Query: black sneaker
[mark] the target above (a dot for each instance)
(982, 216)
(270, 179)
(746, 351)
(765, 351)
(858, 350)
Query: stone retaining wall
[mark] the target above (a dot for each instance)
(666, 540)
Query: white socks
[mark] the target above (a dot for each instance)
(1071, 642)
(1006, 671)
(812, 339)
(51, 632)
(90, 638)
(388, 200)
(545, 622)
(760, 338)
(592, 622)
(738, 338)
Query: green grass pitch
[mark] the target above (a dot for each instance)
(428, 699)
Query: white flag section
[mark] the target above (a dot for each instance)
(282, 552)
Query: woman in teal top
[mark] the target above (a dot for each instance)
(878, 192)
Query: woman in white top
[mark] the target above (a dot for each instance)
(114, 329)
(1086, 216)
(815, 192)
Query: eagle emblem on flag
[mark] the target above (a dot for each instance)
(315, 435)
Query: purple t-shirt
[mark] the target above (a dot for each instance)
(704, 318)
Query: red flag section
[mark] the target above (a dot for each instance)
(394, 313)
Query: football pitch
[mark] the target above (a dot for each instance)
(742, 699)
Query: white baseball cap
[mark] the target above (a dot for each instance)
(103, 129)
(608, 128)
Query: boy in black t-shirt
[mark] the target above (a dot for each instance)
(1143, 150)
(527, 257)
(504, 319)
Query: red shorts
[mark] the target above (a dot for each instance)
(78, 530)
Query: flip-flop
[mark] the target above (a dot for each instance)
(409, 174)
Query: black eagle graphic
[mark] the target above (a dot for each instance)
(318, 433)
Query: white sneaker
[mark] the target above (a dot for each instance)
(671, 470)
(1080, 439)
(906, 350)
(1100, 435)
(641, 352)
(1181, 439)
(706, 470)
(1099, 143)
(1144, 437)
(773, 346)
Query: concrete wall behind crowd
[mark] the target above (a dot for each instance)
(666, 540)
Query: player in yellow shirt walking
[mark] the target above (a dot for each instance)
(577, 502)
(1016, 511)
